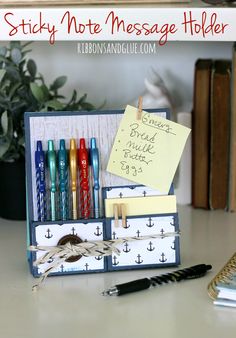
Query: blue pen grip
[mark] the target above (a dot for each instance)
(40, 182)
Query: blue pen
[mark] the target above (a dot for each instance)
(52, 174)
(63, 179)
(40, 182)
(94, 158)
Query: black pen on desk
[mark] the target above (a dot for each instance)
(192, 272)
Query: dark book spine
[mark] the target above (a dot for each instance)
(220, 132)
(201, 134)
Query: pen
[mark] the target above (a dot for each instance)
(63, 179)
(192, 272)
(52, 175)
(40, 181)
(84, 180)
(73, 176)
(94, 158)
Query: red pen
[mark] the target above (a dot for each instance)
(84, 180)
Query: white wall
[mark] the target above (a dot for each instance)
(118, 79)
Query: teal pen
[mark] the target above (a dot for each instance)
(52, 177)
(63, 179)
(94, 159)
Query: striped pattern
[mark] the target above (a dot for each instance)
(41, 200)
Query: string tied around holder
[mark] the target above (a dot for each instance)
(57, 255)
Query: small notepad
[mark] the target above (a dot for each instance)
(147, 150)
(222, 288)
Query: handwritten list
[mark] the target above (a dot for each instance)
(147, 151)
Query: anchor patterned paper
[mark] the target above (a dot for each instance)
(50, 234)
(148, 251)
(132, 191)
(134, 254)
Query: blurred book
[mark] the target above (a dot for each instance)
(219, 131)
(232, 151)
(201, 134)
(213, 158)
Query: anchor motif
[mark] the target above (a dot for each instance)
(139, 261)
(62, 268)
(138, 233)
(115, 261)
(150, 247)
(173, 247)
(126, 248)
(150, 223)
(120, 195)
(162, 232)
(114, 235)
(173, 224)
(126, 225)
(49, 234)
(98, 258)
(97, 233)
(163, 258)
(73, 231)
(86, 267)
(144, 193)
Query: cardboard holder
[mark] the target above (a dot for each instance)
(146, 253)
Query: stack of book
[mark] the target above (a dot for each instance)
(214, 135)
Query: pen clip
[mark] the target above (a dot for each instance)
(94, 158)
(94, 161)
(73, 164)
(40, 167)
(84, 179)
(73, 176)
(40, 182)
(63, 179)
(62, 166)
(83, 165)
(52, 165)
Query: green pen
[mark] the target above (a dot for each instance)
(63, 179)
(52, 177)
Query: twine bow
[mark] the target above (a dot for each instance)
(60, 253)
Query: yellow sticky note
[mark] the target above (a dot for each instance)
(137, 206)
(147, 151)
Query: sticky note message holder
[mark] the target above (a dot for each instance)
(79, 231)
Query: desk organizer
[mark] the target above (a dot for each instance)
(147, 235)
